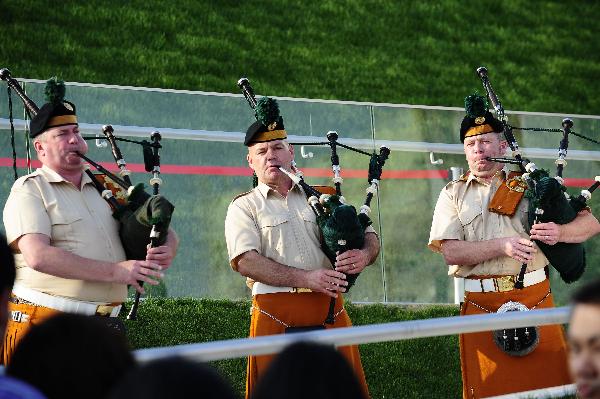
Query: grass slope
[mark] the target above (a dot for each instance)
(544, 52)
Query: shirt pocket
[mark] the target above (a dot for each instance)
(274, 230)
(310, 223)
(64, 228)
(470, 218)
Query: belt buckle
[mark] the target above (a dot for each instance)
(301, 290)
(505, 283)
(104, 310)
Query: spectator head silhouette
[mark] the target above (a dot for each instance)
(173, 378)
(72, 356)
(309, 370)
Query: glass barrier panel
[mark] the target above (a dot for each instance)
(201, 177)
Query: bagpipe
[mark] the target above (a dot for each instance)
(147, 217)
(548, 198)
(341, 226)
(143, 218)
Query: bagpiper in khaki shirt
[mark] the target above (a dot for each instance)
(283, 229)
(461, 213)
(80, 222)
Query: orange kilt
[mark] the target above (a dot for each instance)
(488, 371)
(296, 310)
(15, 330)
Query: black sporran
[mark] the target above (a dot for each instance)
(301, 329)
(516, 341)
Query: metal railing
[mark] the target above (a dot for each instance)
(366, 144)
(395, 331)
(265, 345)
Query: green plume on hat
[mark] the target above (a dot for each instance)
(55, 90)
(476, 105)
(267, 111)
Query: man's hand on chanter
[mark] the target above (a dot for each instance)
(352, 261)
(132, 271)
(327, 281)
(518, 248)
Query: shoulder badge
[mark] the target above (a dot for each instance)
(516, 183)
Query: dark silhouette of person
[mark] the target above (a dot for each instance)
(309, 370)
(72, 356)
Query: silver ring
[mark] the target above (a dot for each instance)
(353, 266)
(547, 237)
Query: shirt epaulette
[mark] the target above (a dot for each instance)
(21, 180)
(241, 195)
(463, 178)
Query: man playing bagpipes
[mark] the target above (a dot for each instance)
(273, 240)
(480, 226)
(66, 242)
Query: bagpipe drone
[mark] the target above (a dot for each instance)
(143, 218)
(341, 226)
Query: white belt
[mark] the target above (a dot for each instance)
(63, 304)
(262, 288)
(504, 283)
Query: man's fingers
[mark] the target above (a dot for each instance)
(349, 269)
(335, 274)
(147, 279)
(156, 256)
(331, 280)
(152, 265)
(525, 241)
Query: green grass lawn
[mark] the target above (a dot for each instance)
(542, 55)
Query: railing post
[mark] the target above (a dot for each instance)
(459, 282)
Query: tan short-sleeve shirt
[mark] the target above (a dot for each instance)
(80, 222)
(283, 229)
(461, 213)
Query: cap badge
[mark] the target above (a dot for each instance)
(479, 120)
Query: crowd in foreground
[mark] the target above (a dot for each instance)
(75, 356)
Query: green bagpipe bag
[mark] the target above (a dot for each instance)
(137, 218)
(548, 194)
(342, 225)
